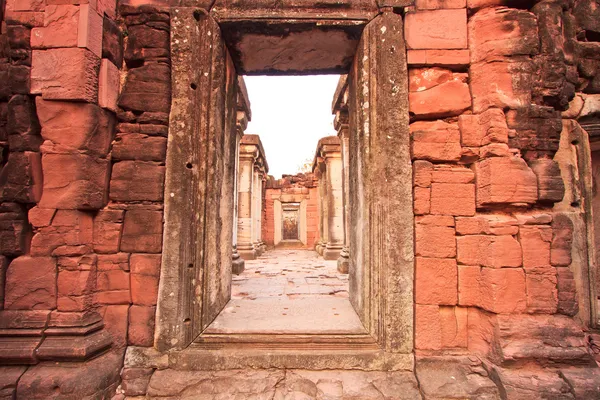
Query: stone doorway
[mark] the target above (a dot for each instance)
(209, 51)
(290, 226)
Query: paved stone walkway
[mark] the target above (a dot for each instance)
(288, 291)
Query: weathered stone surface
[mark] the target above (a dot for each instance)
(447, 96)
(495, 33)
(113, 287)
(141, 326)
(453, 199)
(147, 88)
(438, 29)
(535, 241)
(422, 200)
(108, 225)
(483, 129)
(505, 180)
(142, 231)
(489, 251)
(74, 181)
(108, 85)
(137, 146)
(116, 322)
(531, 383)
(503, 290)
(145, 264)
(76, 126)
(562, 240)
(537, 129)
(15, 233)
(69, 229)
(568, 302)
(22, 125)
(584, 383)
(31, 284)
(422, 171)
(74, 289)
(455, 377)
(144, 289)
(60, 27)
(136, 181)
(439, 4)
(439, 58)
(443, 173)
(435, 141)
(135, 380)
(489, 224)
(21, 178)
(65, 74)
(502, 84)
(551, 187)
(434, 237)
(147, 41)
(9, 377)
(436, 281)
(542, 292)
(112, 42)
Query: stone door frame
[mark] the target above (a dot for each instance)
(382, 214)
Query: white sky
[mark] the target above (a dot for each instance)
(290, 114)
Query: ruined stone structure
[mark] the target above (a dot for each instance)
(468, 133)
(291, 212)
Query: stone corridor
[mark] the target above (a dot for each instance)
(288, 291)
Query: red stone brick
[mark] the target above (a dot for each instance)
(421, 79)
(428, 332)
(436, 281)
(68, 228)
(108, 225)
(452, 174)
(435, 239)
(60, 28)
(481, 326)
(137, 181)
(551, 187)
(489, 251)
(115, 319)
(89, 31)
(22, 124)
(74, 181)
(76, 126)
(568, 303)
(65, 74)
(40, 217)
(142, 231)
(75, 289)
(503, 290)
(435, 141)
(135, 380)
(422, 173)
(113, 280)
(144, 289)
(485, 128)
(490, 224)
(147, 88)
(437, 4)
(562, 240)
(112, 42)
(145, 264)
(21, 178)
(15, 233)
(445, 100)
(107, 262)
(453, 199)
(146, 41)
(136, 146)
(439, 29)
(31, 284)
(141, 326)
(27, 18)
(535, 242)
(422, 200)
(505, 84)
(505, 181)
(453, 324)
(495, 33)
(469, 285)
(438, 58)
(108, 85)
(495, 150)
(542, 291)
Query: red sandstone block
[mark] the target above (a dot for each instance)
(108, 225)
(444, 100)
(551, 187)
(535, 242)
(115, 319)
(145, 264)
(147, 88)
(75, 289)
(60, 28)
(136, 146)
(437, 58)
(542, 291)
(40, 217)
(485, 128)
(142, 231)
(503, 290)
(422, 173)
(22, 124)
(89, 31)
(453, 324)
(436, 281)
(567, 292)
(141, 326)
(428, 332)
(137, 181)
(108, 85)
(435, 241)
(113, 280)
(21, 178)
(31, 284)
(562, 240)
(435, 141)
(107, 262)
(26, 18)
(25, 5)
(453, 199)
(452, 174)
(74, 181)
(505, 181)
(469, 285)
(476, 4)
(491, 224)
(489, 251)
(495, 33)
(144, 289)
(501, 85)
(437, 4)
(439, 29)
(65, 74)
(76, 126)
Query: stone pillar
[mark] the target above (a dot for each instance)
(341, 125)
(237, 262)
(245, 223)
(256, 209)
(319, 171)
(335, 204)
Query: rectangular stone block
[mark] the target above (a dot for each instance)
(144, 289)
(21, 178)
(22, 124)
(436, 281)
(535, 242)
(108, 225)
(65, 74)
(142, 231)
(60, 27)
(437, 29)
(89, 34)
(485, 128)
(435, 239)
(145, 264)
(503, 290)
(437, 93)
(112, 42)
(31, 284)
(489, 251)
(469, 285)
(15, 232)
(453, 199)
(428, 332)
(141, 326)
(453, 323)
(74, 181)
(422, 200)
(542, 291)
(444, 173)
(439, 4)
(147, 88)
(435, 141)
(75, 289)
(137, 181)
(115, 319)
(108, 85)
(113, 287)
(562, 240)
(505, 180)
(489, 224)
(137, 146)
(438, 58)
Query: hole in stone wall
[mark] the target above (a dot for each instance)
(193, 86)
(188, 165)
